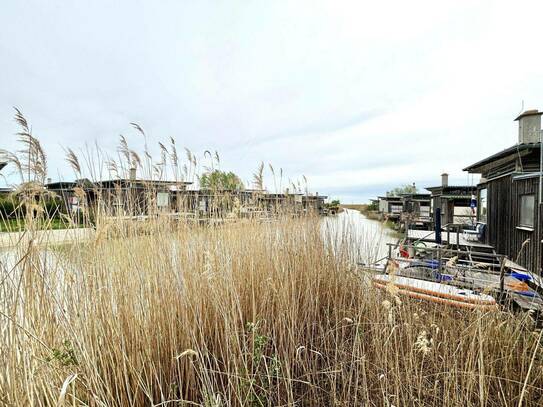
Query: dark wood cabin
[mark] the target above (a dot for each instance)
(73, 195)
(416, 210)
(455, 202)
(137, 197)
(117, 197)
(508, 196)
(314, 203)
(390, 207)
(275, 203)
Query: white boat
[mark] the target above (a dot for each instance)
(435, 292)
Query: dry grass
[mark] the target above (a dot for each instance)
(246, 314)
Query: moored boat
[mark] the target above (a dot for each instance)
(435, 292)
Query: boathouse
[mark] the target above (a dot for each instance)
(454, 201)
(67, 192)
(390, 207)
(416, 211)
(509, 195)
(120, 197)
(314, 203)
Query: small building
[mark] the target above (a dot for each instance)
(454, 201)
(314, 203)
(390, 207)
(119, 197)
(66, 192)
(416, 210)
(217, 203)
(509, 195)
(136, 197)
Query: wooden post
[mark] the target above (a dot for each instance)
(502, 277)
(437, 225)
(389, 257)
(439, 259)
(457, 237)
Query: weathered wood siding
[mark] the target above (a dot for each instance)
(530, 255)
(503, 219)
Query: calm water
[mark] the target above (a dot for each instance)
(363, 239)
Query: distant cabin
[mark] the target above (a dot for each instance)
(454, 201)
(390, 207)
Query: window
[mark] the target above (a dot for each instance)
(162, 199)
(527, 210)
(425, 211)
(395, 208)
(483, 205)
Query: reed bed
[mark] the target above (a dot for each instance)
(248, 314)
(169, 313)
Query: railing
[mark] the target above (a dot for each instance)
(440, 256)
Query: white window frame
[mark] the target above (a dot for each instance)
(522, 207)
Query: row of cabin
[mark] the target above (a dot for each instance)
(137, 197)
(417, 210)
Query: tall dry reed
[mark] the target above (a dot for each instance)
(245, 314)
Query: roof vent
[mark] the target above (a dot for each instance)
(529, 126)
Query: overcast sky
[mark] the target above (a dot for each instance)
(357, 96)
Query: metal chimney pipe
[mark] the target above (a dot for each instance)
(444, 179)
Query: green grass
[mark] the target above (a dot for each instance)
(18, 225)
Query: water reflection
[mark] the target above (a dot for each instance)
(362, 239)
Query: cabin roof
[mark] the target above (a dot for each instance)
(390, 198)
(449, 188)
(416, 196)
(86, 183)
(83, 183)
(475, 168)
(533, 112)
(314, 196)
(455, 196)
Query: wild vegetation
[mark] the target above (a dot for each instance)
(243, 314)
(405, 189)
(221, 180)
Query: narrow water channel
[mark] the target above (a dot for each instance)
(364, 239)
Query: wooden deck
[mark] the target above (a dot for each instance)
(456, 240)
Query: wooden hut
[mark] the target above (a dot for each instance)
(509, 200)
(416, 210)
(314, 203)
(390, 207)
(455, 202)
